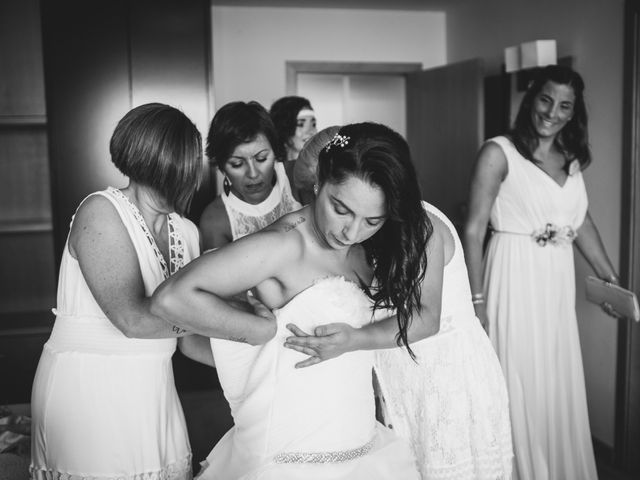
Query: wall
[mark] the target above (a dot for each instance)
(252, 44)
(591, 32)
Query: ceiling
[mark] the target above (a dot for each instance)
(437, 5)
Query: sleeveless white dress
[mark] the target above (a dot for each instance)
(105, 406)
(246, 218)
(452, 402)
(529, 282)
(315, 423)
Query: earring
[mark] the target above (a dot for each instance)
(226, 185)
(315, 189)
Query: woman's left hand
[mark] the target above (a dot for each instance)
(326, 342)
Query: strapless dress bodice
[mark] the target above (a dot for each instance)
(280, 409)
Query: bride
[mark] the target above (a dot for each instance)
(366, 227)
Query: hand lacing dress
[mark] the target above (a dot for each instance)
(529, 283)
(105, 406)
(452, 403)
(315, 423)
(246, 218)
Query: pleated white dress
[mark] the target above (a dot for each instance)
(529, 283)
(315, 423)
(451, 404)
(105, 406)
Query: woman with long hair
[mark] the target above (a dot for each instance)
(528, 186)
(365, 238)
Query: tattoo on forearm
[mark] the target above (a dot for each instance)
(178, 330)
(237, 339)
(290, 226)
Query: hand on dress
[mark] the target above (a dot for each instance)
(261, 310)
(326, 342)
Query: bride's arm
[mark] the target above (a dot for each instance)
(331, 340)
(194, 297)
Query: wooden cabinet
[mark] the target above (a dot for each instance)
(27, 275)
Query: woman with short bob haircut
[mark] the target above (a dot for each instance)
(104, 402)
(159, 147)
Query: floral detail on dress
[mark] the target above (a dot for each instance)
(554, 235)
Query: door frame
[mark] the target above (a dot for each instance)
(627, 420)
(293, 68)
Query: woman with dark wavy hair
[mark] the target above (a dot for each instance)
(365, 237)
(447, 394)
(528, 185)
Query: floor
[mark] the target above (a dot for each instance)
(208, 419)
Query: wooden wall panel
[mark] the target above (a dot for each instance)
(21, 80)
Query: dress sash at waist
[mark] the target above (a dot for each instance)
(93, 334)
(550, 234)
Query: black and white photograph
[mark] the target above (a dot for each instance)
(319, 240)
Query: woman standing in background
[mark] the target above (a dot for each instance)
(243, 143)
(295, 123)
(528, 185)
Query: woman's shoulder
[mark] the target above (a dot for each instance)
(97, 206)
(214, 225)
(443, 229)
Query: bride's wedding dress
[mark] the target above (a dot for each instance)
(309, 423)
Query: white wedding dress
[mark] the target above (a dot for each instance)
(310, 423)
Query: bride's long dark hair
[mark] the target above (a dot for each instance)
(398, 251)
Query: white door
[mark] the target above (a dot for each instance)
(339, 99)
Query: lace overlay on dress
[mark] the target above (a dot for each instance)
(176, 244)
(179, 470)
(245, 224)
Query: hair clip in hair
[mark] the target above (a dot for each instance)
(338, 141)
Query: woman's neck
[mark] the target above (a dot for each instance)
(153, 209)
(546, 148)
(320, 239)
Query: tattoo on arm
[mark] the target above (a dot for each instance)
(290, 226)
(178, 330)
(237, 339)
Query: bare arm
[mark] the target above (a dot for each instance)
(214, 226)
(332, 340)
(197, 348)
(109, 265)
(489, 172)
(194, 297)
(590, 245)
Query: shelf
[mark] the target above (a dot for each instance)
(23, 120)
(22, 226)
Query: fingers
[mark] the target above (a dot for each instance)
(308, 342)
(302, 349)
(296, 331)
(308, 362)
(326, 330)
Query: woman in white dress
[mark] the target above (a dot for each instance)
(104, 403)
(364, 238)
(450, 401)
(529, 186)
(243, 143)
